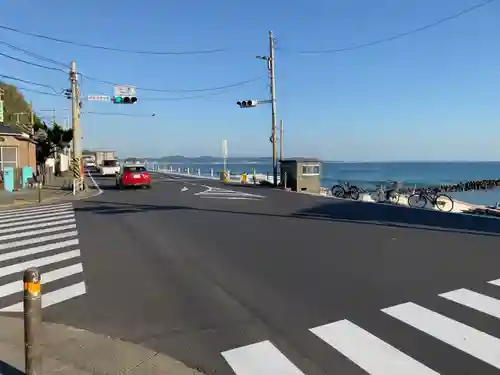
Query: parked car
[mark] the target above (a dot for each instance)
(133, 176)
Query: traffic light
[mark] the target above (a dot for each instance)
(247, 103)
(67, 94)
(124, 99)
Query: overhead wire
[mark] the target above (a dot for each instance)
(40, 92)
(98, 80)
(36, 56)
(28, 82)
(216, 88)
(106, 48)
(399, 35)
(117, 114)
(31, 63)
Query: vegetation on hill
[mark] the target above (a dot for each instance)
(16, 107)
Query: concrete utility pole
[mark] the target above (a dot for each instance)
(282, 131)
(273, 105)
(75, 122)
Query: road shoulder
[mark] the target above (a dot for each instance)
(79, 352)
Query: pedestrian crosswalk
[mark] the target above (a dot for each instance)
(45, 237)
(218, 193)
(375, 356)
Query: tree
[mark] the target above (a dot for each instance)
(16, 108)
(51, 140)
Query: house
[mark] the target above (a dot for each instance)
(17, 150)
(17, 157)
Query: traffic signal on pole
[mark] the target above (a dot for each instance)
(68, 94)
(247, 103)
(124, 99)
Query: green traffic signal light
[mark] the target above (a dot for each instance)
(118, 99)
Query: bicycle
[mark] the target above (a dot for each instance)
(443, 202)
(388, 195)
(345, 190)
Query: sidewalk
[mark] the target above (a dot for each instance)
(71, 351)
(58, 188)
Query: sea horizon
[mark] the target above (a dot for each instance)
(180, 158)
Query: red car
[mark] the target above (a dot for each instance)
(133, 176)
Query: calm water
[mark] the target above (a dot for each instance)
(368, 175)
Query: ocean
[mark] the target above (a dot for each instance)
(368, 175)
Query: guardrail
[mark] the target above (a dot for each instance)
(212, 173)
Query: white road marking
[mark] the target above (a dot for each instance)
(35, 240)
(184, 189)
(367, 351)
(495, 282)
(37, 220)
(19, 267)
(60, 273)
(52, 298)
(262, 358)
(99, 190)
(5, 213)
(218, 193)
(43, 215)
(37, 249)
(476, 301)
(38, 225)
(36, 232)
(467, 339)
(230, 198)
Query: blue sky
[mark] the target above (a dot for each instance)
(434, 95)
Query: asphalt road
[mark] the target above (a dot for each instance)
(198, 272)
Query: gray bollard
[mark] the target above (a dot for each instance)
(211, 172)
(39, 188)
(199, 171)
(32, 322)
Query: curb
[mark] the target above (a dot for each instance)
(81, 352)
(68, 197)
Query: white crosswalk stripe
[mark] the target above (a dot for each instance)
(45, 237)
(376, 356)
(218, 193)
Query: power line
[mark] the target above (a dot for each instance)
(36, 56)
(400, 35)
(28, 82)
(232, 85)
(105, 48)
(32, 64)
(40, 92)
(118, 114)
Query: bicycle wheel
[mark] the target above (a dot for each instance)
(417, 200)
(354, 192)
(394, 198)
(338, 191)
(444, 203)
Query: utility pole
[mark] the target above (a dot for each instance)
(32, 117)
(253, 103)
(75, 123)
(282, 156)
(273, 105)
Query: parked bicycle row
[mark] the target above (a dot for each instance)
(392, 193)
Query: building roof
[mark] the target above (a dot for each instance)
(300, 160)
(9, 130)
